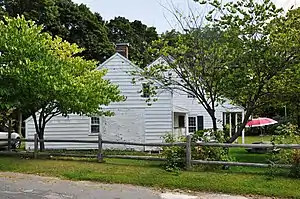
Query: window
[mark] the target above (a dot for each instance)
(146, 90)
(192, 124)
(191, 95)
(95, 125)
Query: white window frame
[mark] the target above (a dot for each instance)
(194, 126)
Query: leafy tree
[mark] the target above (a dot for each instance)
(137, 34)
(264, 45)
(41, 76)
(286, 87)
(194, 66)
(72, 22)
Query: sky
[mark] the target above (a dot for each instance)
(153, 12)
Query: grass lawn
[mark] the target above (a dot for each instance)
(251, 139)
(241, 155)
(151, 174)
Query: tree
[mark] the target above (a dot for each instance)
(72, 22)
(286, 87)
(263, 46)
(137, 34)
(194, 65)
(40, 75)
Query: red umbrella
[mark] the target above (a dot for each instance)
(261, 121)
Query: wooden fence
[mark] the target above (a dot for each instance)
(188, 147)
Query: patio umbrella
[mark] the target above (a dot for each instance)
(261, 121)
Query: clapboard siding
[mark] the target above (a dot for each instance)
(180, 99)
(134, 120)
(158, 116)
(195, 109)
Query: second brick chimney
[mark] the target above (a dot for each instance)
(122, 48)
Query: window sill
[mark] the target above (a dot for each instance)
(93, 134)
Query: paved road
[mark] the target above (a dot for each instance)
(21, 186)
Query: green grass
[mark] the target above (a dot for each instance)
(236, 180)
(241, 155)
(251, 139)
(151, 174)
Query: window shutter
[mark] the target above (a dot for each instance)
(200, 123)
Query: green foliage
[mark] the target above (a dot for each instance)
(262, 45)
(191, 64)
(72, 22)
(137, 34)
(207, 152)
(288, 134)
(41, 73)
(175, 155)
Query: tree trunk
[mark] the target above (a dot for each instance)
(41, 137)
(38, 130)
(214, 119)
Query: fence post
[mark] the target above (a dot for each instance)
(100, 155)
(188, 152)
(36, 146)
(9, 135)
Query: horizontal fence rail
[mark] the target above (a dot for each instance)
(269, 146)
(248, 164)
(188, 145)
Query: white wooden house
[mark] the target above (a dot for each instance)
(134, 120)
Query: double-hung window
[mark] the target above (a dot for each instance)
(196, 124)
(95, 125)
(192, 124)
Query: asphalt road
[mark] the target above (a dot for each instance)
(22, 186)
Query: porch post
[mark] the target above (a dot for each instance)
(230, 125)
(243, 132)
(236, 124)
(186, 124)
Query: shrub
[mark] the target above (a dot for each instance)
(287, 134)
(207, 152)
(175, 155)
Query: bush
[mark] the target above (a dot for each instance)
(175, 155)
(287, 134)
(207, 152)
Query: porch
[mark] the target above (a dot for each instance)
(180, 121)
(185, 123)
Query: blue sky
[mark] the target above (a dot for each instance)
(151, 12)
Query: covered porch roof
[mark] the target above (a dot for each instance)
(178, 109)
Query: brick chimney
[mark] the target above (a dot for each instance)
(122, 48)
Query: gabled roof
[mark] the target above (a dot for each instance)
(157, 61)
(120, 56)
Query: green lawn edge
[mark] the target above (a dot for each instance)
(150, 174)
